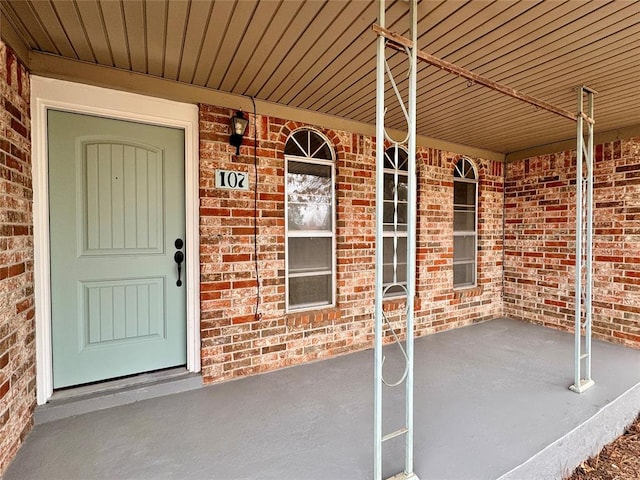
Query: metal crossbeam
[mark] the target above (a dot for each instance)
(402, 42)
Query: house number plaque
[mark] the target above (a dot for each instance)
(230, 180)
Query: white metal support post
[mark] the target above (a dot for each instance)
(584, 240)
(380, 320)
(584, 220)
(377, 386)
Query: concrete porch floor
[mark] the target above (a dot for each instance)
(491, 401)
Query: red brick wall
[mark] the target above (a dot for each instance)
(540, 241)
(235, 342)
(17, 349)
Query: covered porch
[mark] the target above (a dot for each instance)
(491, 401)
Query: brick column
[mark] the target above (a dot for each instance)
(17, 326)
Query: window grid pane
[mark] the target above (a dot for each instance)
(464, 274)
(309, 291)
(309, 254)
(464, 248)
(400, 262)
(464, 220)
(309, 196)
(464, 193)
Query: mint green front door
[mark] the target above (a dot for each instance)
(116, 201)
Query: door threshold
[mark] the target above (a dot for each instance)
(114, 393)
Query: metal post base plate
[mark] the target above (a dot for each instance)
(404, 476)
(584, 385)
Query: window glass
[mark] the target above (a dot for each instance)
(464, 193)
(464, 248)
(310, 291)
(464, 274)
(399, 274)
(308, 254)
(310, 220)
(464, 220)
(309, 196)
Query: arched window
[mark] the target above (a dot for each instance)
(396, 195)
(465, 224)
(310, 221)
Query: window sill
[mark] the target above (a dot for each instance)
(395, 295)
(394, 302)
(312, 318)
(470, 291)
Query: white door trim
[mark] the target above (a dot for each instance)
(49, 93)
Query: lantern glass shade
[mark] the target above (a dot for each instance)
(238, 127)
(239, 123)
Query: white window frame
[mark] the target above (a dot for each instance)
(400, 234)
(310, 233)
(467, 233)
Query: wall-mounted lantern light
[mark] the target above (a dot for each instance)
(238, 127)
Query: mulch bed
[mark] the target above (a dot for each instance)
(620, 460)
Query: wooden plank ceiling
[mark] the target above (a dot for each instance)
(320, 55)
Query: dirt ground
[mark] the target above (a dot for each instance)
(620, 460)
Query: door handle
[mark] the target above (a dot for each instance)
(178, 257)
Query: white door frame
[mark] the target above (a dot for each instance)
(47, 93)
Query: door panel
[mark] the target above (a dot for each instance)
(116, 208)
(122, 311)
(122, 186)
